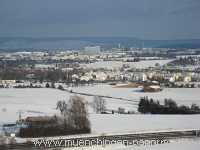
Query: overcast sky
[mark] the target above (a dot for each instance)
(147, 19)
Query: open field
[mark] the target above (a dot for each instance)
(185, 96)
(130, 123)
(118, 64)
(43, 102)
(39, 100)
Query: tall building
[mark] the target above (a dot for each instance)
(92, 50)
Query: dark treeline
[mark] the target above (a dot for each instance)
(151, 106)
(50, 75)
(51, 128)
(37, 75)
(26, 70)
(26, 62)
(183, 61)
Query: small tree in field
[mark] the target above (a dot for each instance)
(99, 104)
(47, 85)
(62, 106)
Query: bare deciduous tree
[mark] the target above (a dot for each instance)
(78, 114)
(99, 104)
(62, 106)
(74, 112)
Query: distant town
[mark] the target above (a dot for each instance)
(167, 67)
(161, 67)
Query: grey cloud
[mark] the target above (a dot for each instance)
(159, 19)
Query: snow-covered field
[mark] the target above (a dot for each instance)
(185, 96)
(43, 102)
(131, 123)
(29, 101)
(118, 64)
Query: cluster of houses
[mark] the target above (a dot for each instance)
(138, 76)
(103, 75)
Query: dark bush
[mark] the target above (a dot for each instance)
(33, 131)
(170, 107)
